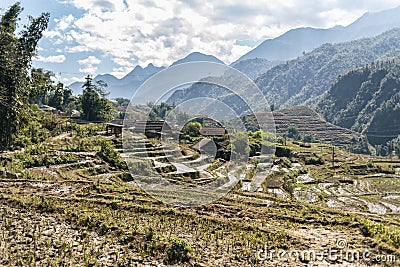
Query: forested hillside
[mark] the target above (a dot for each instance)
(304, 80)
(367, 100)
(254, 67)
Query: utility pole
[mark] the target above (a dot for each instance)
(333, 156)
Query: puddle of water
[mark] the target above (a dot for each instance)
(296, 166)
(334, 204)
(278, 192)
(305, 195)
(249, 166)
(324, 187)
(275, 168)
(62, 190)
(394, 208)
(362, 186)
(305, 178)
(374, 207)
(338, 190)
(41, 185)
(395, 197)
(349, 201)
(246, 186)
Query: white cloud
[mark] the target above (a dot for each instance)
(88, 70)
(65, 22)
(51, 59)
(89, 64)
(162, 31)
(121, 71)
(123, 62)
(77, 49)
(91, 60)
(51, 34)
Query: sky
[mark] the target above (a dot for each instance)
(113, 36)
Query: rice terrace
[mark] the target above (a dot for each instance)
(109, 171)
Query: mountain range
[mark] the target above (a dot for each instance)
(302, 40)
(303, 81)
(126, 86)
(268, 54)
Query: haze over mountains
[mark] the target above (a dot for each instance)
(304, 80)
(127, 85)
(292, 81)
(293, 43)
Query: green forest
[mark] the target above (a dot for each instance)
(366, 100)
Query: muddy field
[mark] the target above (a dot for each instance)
(80, 209)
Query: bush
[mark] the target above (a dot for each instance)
(314, 161)
(283, 151)
(178, 252)
(110, 155)
(292, 132)
(192, 129)
(308, 138)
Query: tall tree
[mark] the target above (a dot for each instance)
(95, 106)
(56, 99)
(16, 52)
(41, 85)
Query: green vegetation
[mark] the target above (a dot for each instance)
(178, 252)
(16, 52)
(110, 155)
(366, 100)
(192, 129)
(95, 106)
(283, 151)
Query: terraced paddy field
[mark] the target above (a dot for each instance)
(72, 202)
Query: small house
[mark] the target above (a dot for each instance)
(213, 131)
(114, 129)
(152, 129)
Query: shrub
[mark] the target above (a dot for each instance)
(192, 129)
(110, 155)
(178, 252)
(314, 161)
(283, 151)
(292, 132)
(308, 138)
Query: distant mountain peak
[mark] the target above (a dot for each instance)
(197, 56)
(138, 67)
(294, 42)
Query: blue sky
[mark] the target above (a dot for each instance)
(113, 36)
